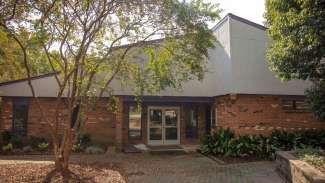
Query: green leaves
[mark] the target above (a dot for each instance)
(316, 96)
(297, 28)
(224, 142)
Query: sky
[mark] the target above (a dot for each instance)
(252, 10)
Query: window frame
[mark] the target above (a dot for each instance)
(293, 105)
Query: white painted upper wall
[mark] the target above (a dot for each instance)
(236, 65)
(250, 72)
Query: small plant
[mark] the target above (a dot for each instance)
(7, 148)
(94, 149)
(16, 141)
(312, 156)
(6, 136)
(35, 141)
(84, 140)
(77, 148)
(218, 143)
(284, 140)
(43, 146)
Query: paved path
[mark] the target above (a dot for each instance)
(195, 168)
(189, 168)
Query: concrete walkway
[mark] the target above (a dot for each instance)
(195, 168)
(186, 168)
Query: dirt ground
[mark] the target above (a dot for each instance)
(137, 168)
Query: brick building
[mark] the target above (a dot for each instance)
(238, 92)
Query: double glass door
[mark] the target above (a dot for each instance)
(163, 125)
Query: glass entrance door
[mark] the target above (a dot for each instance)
(163, 125)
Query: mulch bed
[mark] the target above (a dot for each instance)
(42, 172)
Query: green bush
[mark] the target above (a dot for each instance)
(265, 148)
(316, 97)
(34, 141)
(43, 146)
(218, 142)
(312, 156)
(286, 141)
(6, 136)
(246, 145)
(313, 138)
(16, 141)
(224, 142)
(7, 148)
(84, 140)
(77, 148)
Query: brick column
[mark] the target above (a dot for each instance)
(119, 125)
(6, 114)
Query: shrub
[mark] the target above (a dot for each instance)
(94, 149)
(312, 156)
(77, 148)
(16, 141)
(6, 136)
(246, 145)
(43, 146)
(283, 140)
(316, 96)
(265, 148)
(218, 143)
(35, 141)
(223, 142)
(313, 138)
(7, 148)
(84, 140)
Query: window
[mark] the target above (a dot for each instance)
(20, 116)
(295, 105)
(134, 123)
(192, 123)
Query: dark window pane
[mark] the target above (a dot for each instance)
(171, 117)
(302, 105)
(134, 123)
(295, 105)
(20, 117)
(155, 134)
(192, 123)
(155, 117)
(171, 133)
(288, 104)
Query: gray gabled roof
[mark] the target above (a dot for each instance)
(26, 79)
(240, 19)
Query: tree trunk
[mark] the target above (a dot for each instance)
(62, 155)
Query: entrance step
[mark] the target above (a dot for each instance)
(129, 148)
(167, 150)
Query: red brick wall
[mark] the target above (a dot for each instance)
(260, 114)
(100, 123)
(6, 114)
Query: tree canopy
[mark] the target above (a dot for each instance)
(94, 42)
(297, 51)
(297, 28)
(11, 59)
